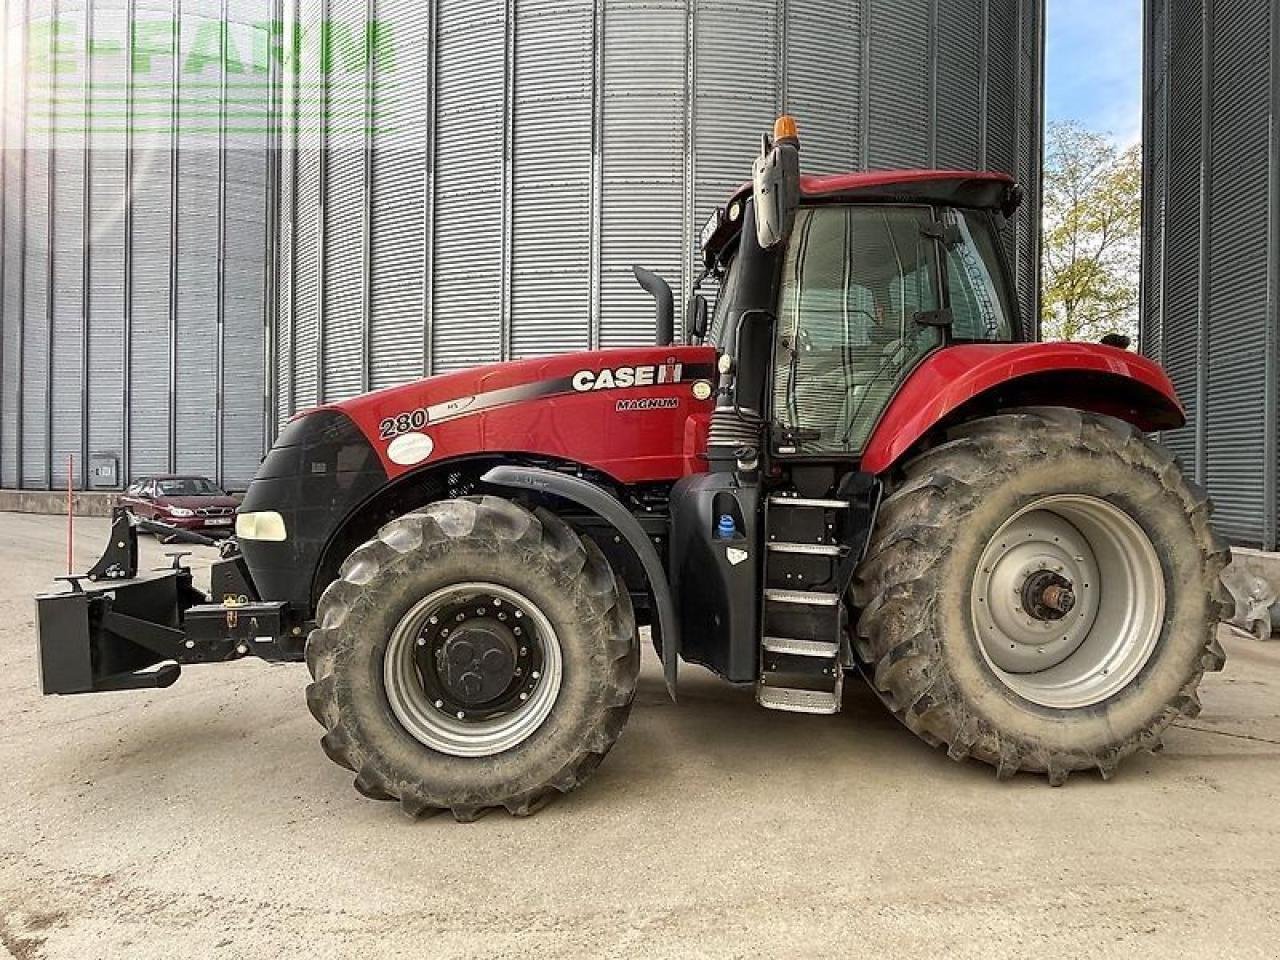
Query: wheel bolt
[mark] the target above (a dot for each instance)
(461, 617)
(480, 612)
(535, 675)
(435, 619)
(502, 616)
(444, 632)
(524, 651)
(422, 641)
(461, 715)
(519, 614)
(524, 696)
(516, 631)
(497, 601)
(439, 704)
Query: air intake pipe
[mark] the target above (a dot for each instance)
(660, 290)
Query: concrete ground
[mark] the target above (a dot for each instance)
(204, 821)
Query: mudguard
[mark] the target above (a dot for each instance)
(1085, 376)
(604, 505)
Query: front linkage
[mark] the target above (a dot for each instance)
(125, 632)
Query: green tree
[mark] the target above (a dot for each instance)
(1092, 233)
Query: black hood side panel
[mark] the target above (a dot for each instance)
(320, 470)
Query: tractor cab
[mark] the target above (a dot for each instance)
(823, 310)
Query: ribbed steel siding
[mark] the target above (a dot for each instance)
(105, 208)
(153, 241)
(898, 132)
(469, 297)
(644, 125)
(12, 241)
(551, 206)
(135, 256)
(548, 146)
(822, 57)
(1209, 306)
(1156, 180)
(1182, 218)
(399, 200)
(1235, 418)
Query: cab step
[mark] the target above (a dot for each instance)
(793, 700)
(802, 648)
(803, 597)
(778, 500)
(808, 549)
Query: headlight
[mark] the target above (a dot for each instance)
(267, 525)
(180, 512)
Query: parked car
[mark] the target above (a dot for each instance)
(192, 503)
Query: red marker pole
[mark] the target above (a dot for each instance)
(71, 521)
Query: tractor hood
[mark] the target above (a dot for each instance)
(637, 414)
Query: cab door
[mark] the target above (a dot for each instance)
(859, 287)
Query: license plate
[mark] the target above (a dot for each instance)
(219, 522)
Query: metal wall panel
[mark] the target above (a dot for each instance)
(68, 314)
(283, 315)
(468, 317)
(736, 95)
(822, 57)
(1156, 179)
(1182, 224)
(1211, 249)
(135, 243)
(551, 206)
(12, 240)
(898, 133)
(960, 111)
(105, 216)
(343, 303)
(399, 198)
(1234, 414)
(309, 279)
(152, 213)
(644, 127)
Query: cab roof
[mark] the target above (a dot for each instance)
(963, 188)
(983, 190)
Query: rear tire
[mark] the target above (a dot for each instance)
(550, 740)
(1098, 502)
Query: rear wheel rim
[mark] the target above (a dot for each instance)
(1068, 601)
(422, 684)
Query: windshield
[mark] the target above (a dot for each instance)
(854, 280)
(188, 487)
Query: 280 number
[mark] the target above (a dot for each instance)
(392, 427)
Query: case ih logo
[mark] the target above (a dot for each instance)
(585, 381)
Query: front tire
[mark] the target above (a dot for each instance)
(525, 698)
(1043, 593)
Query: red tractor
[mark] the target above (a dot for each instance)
(852, 464)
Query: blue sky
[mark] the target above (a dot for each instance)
(1093, 66)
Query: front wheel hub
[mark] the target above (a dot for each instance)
(477, 663)
(473, 669)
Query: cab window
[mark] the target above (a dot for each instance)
(980, 305)
(854, 281)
